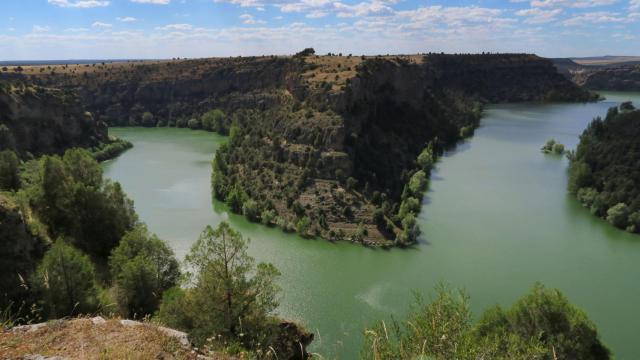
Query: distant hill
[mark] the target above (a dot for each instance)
(65, 62)
(607, 60)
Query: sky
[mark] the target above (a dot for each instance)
(153, 29)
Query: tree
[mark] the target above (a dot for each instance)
(143, 268)
(213, 120)
(418, 184)
(410, 230)
(235, 198)
(410, 205)
(7, 140)
(148, 119)
(558, 149)
(546, 317)
(426, 159)
(9, 170)
(230, 296)
(618, 215)
(66, 278)
(580, 176)
(194, 124)
(251, 210)
(541, 325)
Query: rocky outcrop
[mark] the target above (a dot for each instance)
(621, 78)
(89, 338)
(40, 121)
(322, 141)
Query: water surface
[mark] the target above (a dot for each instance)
(497, 219)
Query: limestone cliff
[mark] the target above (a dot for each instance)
(40, 121)
(319, 143)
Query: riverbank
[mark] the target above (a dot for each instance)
(497, 218)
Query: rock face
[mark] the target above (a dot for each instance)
(624, 78)
(322, 142)
(20, 250)
(45, 121)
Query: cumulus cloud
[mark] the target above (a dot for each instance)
(155, 2)
(38, 28)
(126, 19)
(572, 3)
(539, 16)
(597, 17)
(79, 3)
(248, 19)
(173, 27)
(101, 25)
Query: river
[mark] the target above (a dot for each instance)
(497, 218)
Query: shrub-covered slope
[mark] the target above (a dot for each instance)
(605, 169)
(324, 146)
(41, 120)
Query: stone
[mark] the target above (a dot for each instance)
(179, 335)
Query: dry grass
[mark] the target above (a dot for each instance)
(81, 339)
(336, 70)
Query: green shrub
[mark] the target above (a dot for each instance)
(142, 267)
(66, 278)
(9, 170)
(618, 215)
(194, 124)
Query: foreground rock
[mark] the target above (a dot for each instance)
(97, 338)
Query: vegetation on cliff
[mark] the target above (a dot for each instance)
(71, 244)
(541, 325)
(230, 300)
(322, 145)
(604, 172)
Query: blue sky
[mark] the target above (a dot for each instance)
(93, 29)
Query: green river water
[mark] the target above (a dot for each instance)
(497, 219)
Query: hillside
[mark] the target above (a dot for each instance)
(604, 171)
(41, 120)
(319, 145)
(620, 78)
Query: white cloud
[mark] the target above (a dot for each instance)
(79, 3)
(126, 19)
(155, 2)
(539, 16)
(634, 5)
(248, 19)
(597, 17)
(38, 28)
(572, 3)
(243, 3)
(101, 25)
(179, 27)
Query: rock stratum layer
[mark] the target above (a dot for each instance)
(325, 146)
(40, 120)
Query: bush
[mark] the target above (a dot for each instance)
(67, 281)
(148, 119)
(194, 124)
(213, 121)
(71, 198)
(250, 210)
(9, 170)
(268, 216)
(542, 325)
(580, 176)
(618, 215)
(142, 267)
(558, 149)
(418, 184)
